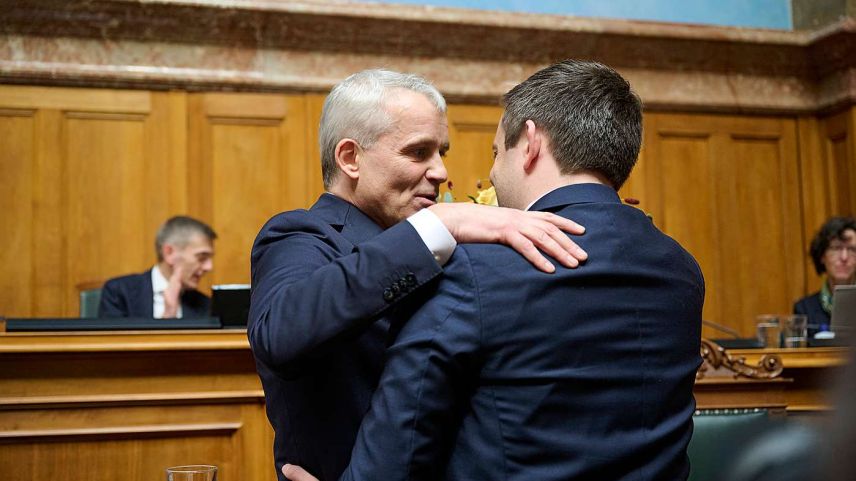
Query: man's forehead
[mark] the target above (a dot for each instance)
(195, 242)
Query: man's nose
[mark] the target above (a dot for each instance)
(437, 170)
(208, 265)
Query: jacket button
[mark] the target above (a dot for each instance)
(388, 295)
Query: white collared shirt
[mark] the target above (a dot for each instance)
(159, 285)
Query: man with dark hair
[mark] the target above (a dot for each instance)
(833, 252)
(185, 251)
(507, 373)
(327, 282)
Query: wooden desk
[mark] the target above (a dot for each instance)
(126, 405)
(812, 372)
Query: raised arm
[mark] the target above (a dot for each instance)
(307, 296)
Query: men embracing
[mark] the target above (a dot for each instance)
(495, 369)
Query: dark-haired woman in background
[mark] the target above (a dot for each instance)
(833, 251)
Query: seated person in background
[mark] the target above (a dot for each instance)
(185, 249)
(833, 251)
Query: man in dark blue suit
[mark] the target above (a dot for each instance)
(185, 250)
(327, 281)
(507, 373)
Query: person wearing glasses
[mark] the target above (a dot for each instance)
(833, 251)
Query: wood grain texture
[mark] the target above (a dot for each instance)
(470, 158)
(727, 188)
(248, 162)
(131, 408)
(17, 160)
(89, 175)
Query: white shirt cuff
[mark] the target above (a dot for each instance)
(434, 234)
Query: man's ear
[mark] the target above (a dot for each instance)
(169, 251)
(533, 145)
(347, 158)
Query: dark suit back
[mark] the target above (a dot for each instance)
(132, 296)
(512, 374)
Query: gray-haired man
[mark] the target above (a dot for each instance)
(329, 282)
(185, 250)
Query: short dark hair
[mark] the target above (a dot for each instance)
(591, 116)
(833, 228)
(178, 230)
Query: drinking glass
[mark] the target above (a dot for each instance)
(795, 330)
(194, 472)
(769, 330)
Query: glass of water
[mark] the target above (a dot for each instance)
(795, 330)
(193, 472)
(769, 330)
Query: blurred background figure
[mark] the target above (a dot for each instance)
(185, 250)
(833, 251)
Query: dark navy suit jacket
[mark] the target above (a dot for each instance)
(325, 283)
(132, 296)
(508, 373)
(812, 307)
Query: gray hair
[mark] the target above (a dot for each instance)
(178, 230)
(354, 110)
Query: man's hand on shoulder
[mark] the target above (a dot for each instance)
(524, 231)
(293, 472)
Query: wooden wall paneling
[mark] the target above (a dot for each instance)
(248, 161)
(840, 153)
(680, 194)
(105, 196)
(814, 190)
(48, 253)
(17, 161)
(91, 195)
(470, 158)
(727, 188)
(117, 165)
(827, 174)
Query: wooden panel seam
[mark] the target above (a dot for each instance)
(17, 112)
(122, 400)
(86, 115)
(120, 432)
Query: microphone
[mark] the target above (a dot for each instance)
(736, 342)
(719, 327)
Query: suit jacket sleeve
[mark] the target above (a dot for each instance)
(432, 367)
(308, 297)
(112, 304)
(799, 307)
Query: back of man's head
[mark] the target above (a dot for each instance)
(355, 110)
(591, 116)
(178, 231)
